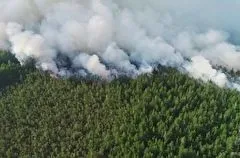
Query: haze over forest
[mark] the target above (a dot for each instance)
(129, 78)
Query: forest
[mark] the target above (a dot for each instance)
(164, 114)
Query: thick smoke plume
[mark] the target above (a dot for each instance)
(109, 38)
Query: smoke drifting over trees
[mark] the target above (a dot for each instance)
(110, 38)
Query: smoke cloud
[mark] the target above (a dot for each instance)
(109, 38)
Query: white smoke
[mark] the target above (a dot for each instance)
(92, 64)
(201, 68)
(109, 38)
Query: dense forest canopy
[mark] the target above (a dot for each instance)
(164, 114)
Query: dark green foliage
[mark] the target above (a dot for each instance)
(166, 114)
(6, 57)
(9, 74)
(11, 71)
